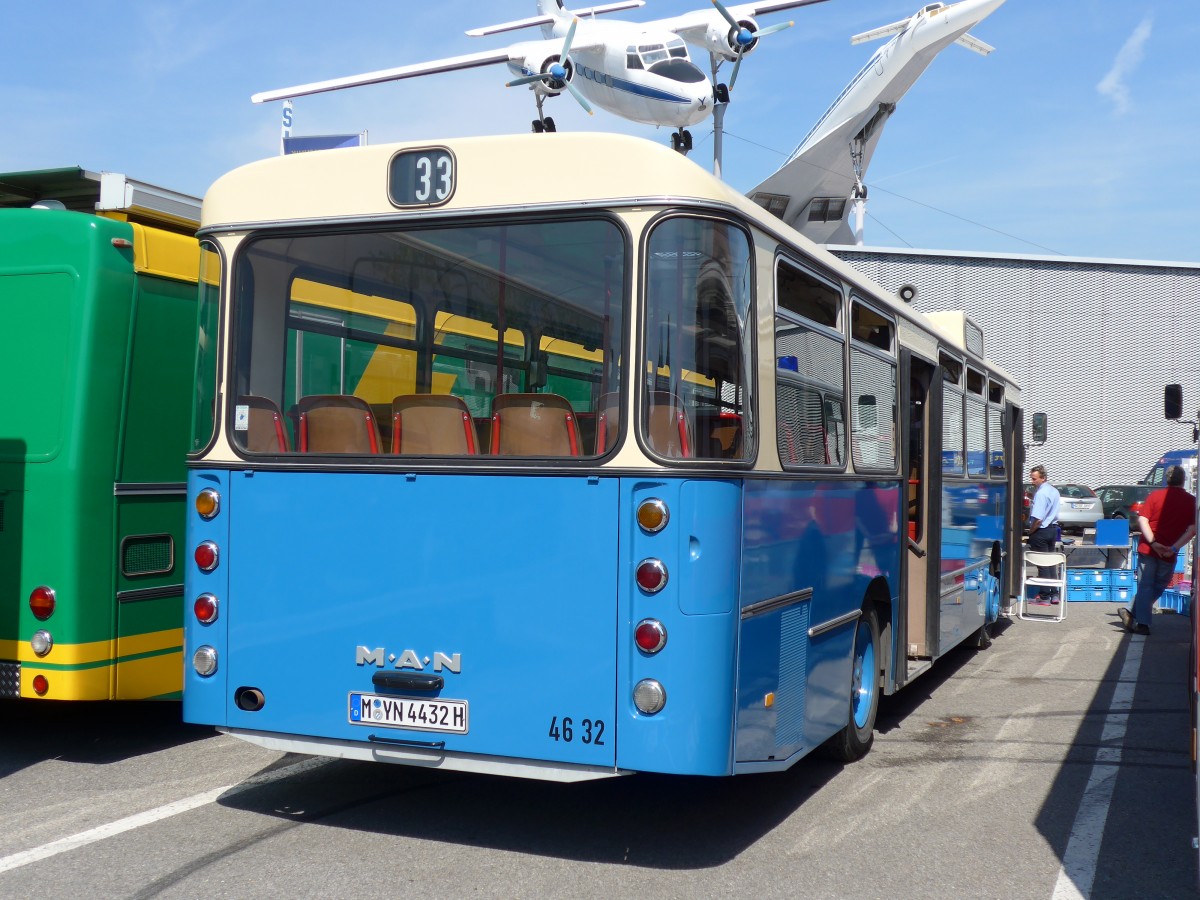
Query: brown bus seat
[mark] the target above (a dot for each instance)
(608, 420)
(432, 425)
(669, 426)
(533, 425)
(266, 431)
(336, 423)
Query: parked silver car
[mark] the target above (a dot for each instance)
(1080, 507)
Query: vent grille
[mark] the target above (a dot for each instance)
(793, 666)
(147, 554)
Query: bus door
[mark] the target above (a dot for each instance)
(923, 453)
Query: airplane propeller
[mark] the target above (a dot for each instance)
(744, 37)
(557, 75)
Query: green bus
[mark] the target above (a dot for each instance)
(98, 285)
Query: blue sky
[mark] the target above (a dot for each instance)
(1076, 137)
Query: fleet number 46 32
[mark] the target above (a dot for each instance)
(588, 731)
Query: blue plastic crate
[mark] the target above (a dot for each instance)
(1088, 577)
(1121, 578)
(1175, 601)
(1120, 594)
(1088, 594)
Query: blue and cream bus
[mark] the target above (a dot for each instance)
(553, 456)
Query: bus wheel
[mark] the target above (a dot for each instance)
(853, 741)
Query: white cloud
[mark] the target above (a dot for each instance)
(1114, 85)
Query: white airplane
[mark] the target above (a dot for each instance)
(640, 71)
(822, 181)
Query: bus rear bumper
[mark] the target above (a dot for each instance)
(543, 770)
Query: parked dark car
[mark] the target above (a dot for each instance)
(1121, 501)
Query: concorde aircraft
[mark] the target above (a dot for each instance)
(820, 187)
(640, 71)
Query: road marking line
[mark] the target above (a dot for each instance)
(111, 829)
(1078, 871)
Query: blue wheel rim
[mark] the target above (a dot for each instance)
(863, 688)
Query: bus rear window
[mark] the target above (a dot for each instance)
(459, 341)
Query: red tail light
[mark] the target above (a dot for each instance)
(650, 635)
(40, 685)
(206, 608)
(207, 556)
(651, 575)
(41, 602)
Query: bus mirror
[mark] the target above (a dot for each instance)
(1173, 401)
(1039, 428)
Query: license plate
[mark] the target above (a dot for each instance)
(402, 712)
(1080, 505)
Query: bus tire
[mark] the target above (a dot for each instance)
(853, 741)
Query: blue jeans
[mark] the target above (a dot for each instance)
(1153, 576)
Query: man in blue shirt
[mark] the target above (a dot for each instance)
(1043, 525)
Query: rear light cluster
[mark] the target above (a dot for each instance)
(650, 635)
(42, 601)
(206, 608)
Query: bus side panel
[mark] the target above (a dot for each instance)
(150, 528)
(503, 586)
(831, 539)
(693, 733)
(158, 411)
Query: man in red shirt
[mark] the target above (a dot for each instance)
(1167, 523)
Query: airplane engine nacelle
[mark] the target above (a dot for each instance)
(558, 72)
(722, 39)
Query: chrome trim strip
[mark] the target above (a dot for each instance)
(766, 606)
(150, 489)
(818, 630)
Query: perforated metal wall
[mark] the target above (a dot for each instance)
(1091, 342)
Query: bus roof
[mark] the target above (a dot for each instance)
(109, 194)
(547, 171)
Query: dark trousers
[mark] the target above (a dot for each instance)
(1043, 541)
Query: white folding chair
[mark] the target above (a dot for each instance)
(1053, 613)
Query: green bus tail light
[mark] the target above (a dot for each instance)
(41, 602)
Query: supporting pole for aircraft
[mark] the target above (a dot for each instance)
(718, 136)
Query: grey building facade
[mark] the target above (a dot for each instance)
(1090, 341)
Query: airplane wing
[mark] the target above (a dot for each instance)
(881, 32)
(973, 43)
(692, 26)
(449, 64)
(549, 20)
